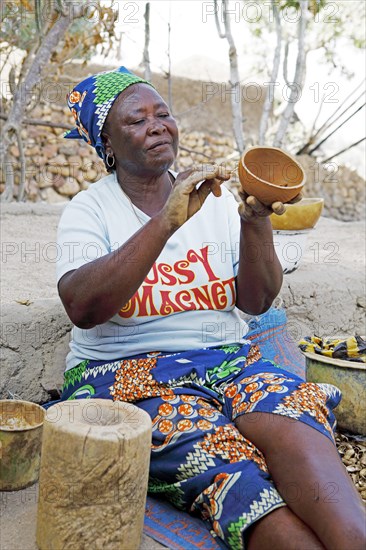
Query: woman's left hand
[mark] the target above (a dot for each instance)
(251, 209)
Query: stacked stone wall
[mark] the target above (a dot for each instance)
(57, 169)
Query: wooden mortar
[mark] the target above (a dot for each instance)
(94, 474)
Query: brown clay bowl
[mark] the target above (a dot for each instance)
(270, 174)
(301, 215)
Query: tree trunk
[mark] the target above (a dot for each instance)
(146, 56)
(24, 91)
(269, 94)
(235, 90)
(298, 79)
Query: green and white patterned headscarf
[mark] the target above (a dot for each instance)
(91, 100)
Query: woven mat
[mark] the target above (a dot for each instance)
(175, 529)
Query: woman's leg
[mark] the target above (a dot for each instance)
(282, 529)
(202, 463)
(309, 475)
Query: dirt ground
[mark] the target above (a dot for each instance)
(18, 513)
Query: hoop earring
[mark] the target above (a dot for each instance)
(108, 160)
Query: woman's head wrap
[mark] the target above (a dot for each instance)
(91, 100)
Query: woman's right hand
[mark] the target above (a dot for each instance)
(186, 199)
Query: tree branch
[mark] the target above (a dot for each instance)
(146, 57)
(169, 75)
(40, 122)
(327, 124)
(269, 94)
(221, 34)
(285, 67)
(194, 152)
(344, 150)
(22, 165)
(40, 60)
(335, 130)
(234, 82)
(298, 79)
(6, 59)
(7, 195)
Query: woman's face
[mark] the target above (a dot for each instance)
(140, 132)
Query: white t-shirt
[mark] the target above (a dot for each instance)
(187, 300)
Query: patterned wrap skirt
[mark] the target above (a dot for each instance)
(199, 459)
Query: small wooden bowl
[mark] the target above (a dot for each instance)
(270, 174)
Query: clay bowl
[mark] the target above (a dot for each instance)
(270, 174)
(350, 378)
(301, 215)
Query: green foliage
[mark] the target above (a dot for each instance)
(17, 27)
(359, 42)
(331, 22)
(25, 22)
(289, 4)
(315, 6)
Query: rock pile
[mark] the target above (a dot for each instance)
(343, 189)
(57, 169)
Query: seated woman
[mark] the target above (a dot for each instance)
(153, 267)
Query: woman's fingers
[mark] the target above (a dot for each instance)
(208, 186)
(258, 207)
(216, 187)
(243, 195)
(188, 197)
(278, 208)
(251, 207)
(245, 211)
(296, 199)
(190, 178)
(220, 171)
